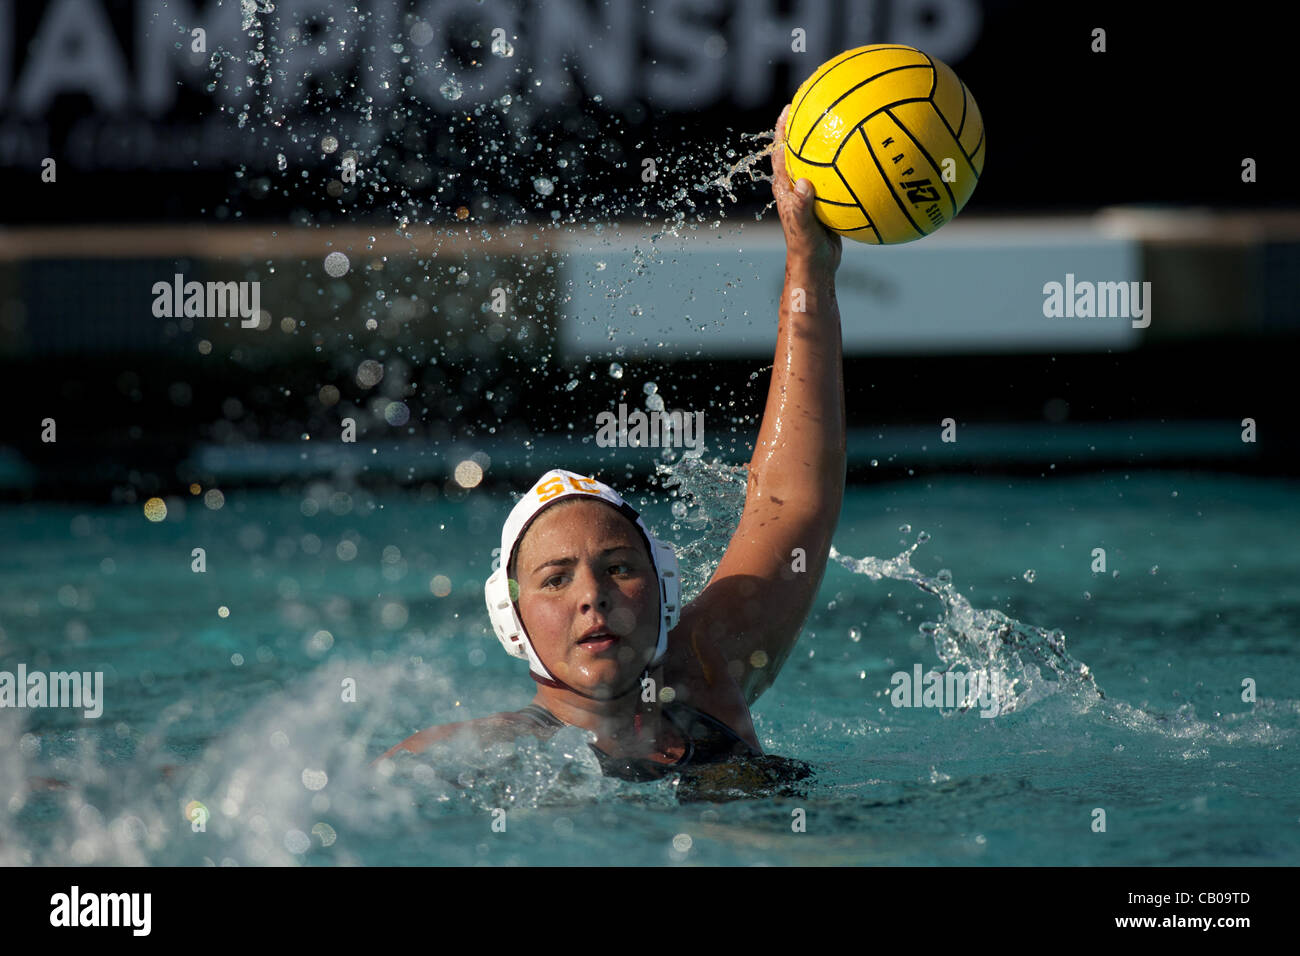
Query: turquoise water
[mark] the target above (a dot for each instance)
(326, 584)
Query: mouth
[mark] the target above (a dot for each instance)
(598, 639)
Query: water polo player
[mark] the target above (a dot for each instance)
(590, 597)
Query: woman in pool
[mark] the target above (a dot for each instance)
(590, 598)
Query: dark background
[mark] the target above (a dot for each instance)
(1163, 118)
(1165, 115)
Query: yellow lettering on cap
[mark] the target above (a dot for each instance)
(549, 490)
(577, 485)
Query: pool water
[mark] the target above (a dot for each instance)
(332, 621)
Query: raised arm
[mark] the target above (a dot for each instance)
(755, 605)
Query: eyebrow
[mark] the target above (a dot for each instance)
(569, 561)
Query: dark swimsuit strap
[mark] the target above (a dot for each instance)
(540, 716)
(544, 718)
(710, 722)
(686, 736)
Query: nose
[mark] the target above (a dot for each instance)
(593, 590)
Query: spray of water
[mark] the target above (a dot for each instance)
(472, 156)
(1027, 662)
(291, 783)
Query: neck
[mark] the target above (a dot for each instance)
(614, 721)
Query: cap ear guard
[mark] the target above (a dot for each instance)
(670, 589)
(506, 624)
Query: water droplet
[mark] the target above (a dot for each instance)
(543, 185)
(649, 388)
(615, 370)
(325, 833)
(571, 385)
(922, 537)
(280, 162)
(944, 576)
(1087, 595)
(1155, 569)
(904, 528)
(451, 88)
(501, 46)
(421, 33)
(336, 264)
(634, 310)
(654, 403)
(855, 635)
(679, 509)
(396, 413)
(1030, 575)
(328, 144)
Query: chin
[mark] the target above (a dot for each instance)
(604, 682)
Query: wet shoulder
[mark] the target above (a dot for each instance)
(494, 728)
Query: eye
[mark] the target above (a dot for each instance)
(553, 581)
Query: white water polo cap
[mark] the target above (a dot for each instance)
(554, 486)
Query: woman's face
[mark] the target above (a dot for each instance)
(582, 567)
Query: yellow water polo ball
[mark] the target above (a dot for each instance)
(891, 139)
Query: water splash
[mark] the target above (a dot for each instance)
(711, 496)
(1027, 662)
(250, 10)
(746, 164)
(525, 773)
(451, 88)
(290, 783)
(340, 117)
